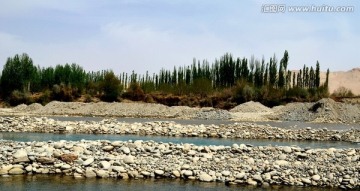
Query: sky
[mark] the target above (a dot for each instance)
(147, 35)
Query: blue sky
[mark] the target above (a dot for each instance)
(141, 35)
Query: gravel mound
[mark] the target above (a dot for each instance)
(324, 110)
(211, 113)
(251, 107)
(34, 107)
(21, 107)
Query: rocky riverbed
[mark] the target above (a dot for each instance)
(238, 164)
(241, 130)
(323, 111)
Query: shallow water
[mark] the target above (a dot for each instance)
(25, 137)
(61, 183)
(282, 124)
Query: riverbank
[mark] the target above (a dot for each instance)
(242, 130)
(323, 111)
(238, 164)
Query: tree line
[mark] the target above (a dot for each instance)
(231, 79)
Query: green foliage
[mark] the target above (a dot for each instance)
(18, 74)
(62, 92)
(110, 87)
(17, 97)
(245, 79)
(45, 97)
(134, 92)
(202, 87)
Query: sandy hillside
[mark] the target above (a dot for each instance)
(349, 79)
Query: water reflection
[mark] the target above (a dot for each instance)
(25, 137)
(60, 183)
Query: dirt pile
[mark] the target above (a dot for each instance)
(116, 109)
(251, 107)
(324, 110)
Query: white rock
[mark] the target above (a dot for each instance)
(125, 150)
(88, 161)
(205, 177)
(105, 165)
(226, 173)
(65, 166)
(129, 159)
(316, 177)
(159, 172)
(20, 153)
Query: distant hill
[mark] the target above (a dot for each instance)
(349, 79)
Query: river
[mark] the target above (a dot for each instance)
(61, 183)
(57, 182)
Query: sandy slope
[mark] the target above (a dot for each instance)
(349, 79)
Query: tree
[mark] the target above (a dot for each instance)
(110, 87)
(18, 73)
(317, 75)
(327, 79)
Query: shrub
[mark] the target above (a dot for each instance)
(62, 93)
(45, 97)
(110, 87)
(17, 97)
(134, 92)
(343, 92)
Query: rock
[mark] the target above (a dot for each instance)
(3, 171)
(102, 173)
(125, 150)
(205, 177)
(282, 157)
(21, 159)
(69, 158)
(124, 176)
(251, 182)
(65, 166)
(185, 167)
(20, 154)
(281, 162)
(118, 169)
(352, 152)
(88, 161)
(186, 147)
(129, 159)
(306, 180)
(145, 173)
(192, 153)
(117, 143)
(45, 160)
(89, 173)
(77, 175)
(176, 173)
(159, 172)
(316, 177)
(187, 172)
(250, 161)
(226, 173)
(257, 178)
(29, 168)
(287, 149)
(104, 165)
(58, 145)
(240, 175)
(15, 171)
(108, 148)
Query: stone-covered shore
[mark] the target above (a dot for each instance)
(241, 130)
(238, 164)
